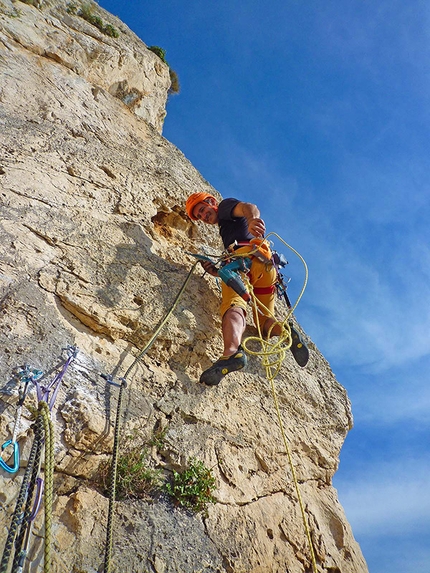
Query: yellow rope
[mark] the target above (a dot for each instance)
(273, 355)
(115, 453)
(49, 481)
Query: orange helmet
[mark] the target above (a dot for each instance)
(193, 200)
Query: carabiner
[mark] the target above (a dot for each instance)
(13, 468)
(37, 499)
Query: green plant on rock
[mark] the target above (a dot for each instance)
(17, 13)
(174, 80)
(193, 488)
(86, 12)
(158, 438)
(72, 8)
(34, 3)
(110, 30)
(160, 52)
(135, 478)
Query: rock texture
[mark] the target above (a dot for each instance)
(93, 234)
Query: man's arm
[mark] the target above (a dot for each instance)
(251, 213)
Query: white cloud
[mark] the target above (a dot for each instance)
(360, 315)
(390, 498)
(398, 398)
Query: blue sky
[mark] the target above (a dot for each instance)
(319, 113)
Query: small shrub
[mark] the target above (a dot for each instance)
(17, 13)
(193, 487)
(174, 80)
(86, 12)
(72, 8)
(174, 85)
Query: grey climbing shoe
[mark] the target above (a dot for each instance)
(213, 375)
(298, 348)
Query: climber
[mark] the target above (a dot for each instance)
(240, 222)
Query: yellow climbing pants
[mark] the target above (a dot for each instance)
(262, 277)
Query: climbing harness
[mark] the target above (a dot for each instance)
(229, 271)
(274, 353)
(26, 376)
(32, 486)
(230, 264)
(122, 385)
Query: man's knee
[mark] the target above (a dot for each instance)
(271, 327)
(235, 312)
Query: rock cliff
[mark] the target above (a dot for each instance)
(93, 234)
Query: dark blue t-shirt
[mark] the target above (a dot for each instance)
(231, 228)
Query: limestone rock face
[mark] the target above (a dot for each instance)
(55, 32)
(93, 241)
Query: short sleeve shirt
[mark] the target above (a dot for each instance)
(232, 228)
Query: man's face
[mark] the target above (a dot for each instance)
(206, 213)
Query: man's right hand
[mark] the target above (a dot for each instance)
(210, 268)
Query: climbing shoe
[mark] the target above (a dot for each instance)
(298, 347)
(213, 375)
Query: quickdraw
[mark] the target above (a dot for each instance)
(27, 376)
(30, 494)
(43, 392)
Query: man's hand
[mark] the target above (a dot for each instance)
(210, 268)
(256, 227)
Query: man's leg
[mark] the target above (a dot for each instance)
(234, 358)
(233, 327)
(267, 328)
(298, 347)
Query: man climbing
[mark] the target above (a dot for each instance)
(239, 223)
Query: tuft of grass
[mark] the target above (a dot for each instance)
(158, 438)
(174, 80)
(160, 52)
(135, 479)
(111, 31)
(193, 487)
(17, 13)
(72, 8)
(86, 12)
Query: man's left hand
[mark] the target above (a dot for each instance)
(257, 227)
